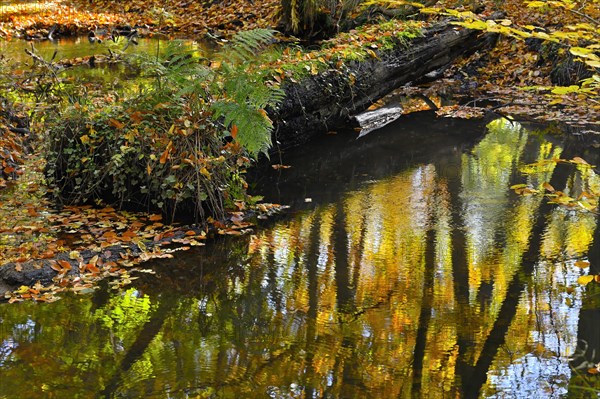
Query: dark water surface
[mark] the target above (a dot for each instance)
(406, 268)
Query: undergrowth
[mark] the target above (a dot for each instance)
(179, 145)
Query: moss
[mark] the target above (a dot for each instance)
(296, 62)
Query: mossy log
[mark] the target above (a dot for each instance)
(326, 101)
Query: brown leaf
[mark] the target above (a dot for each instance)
(548, 187)
(48, 254)
(579, 160)
(64, 264)
(54, 265)
(155, 218)
(115, 123)
(92, 268)
(165, 155)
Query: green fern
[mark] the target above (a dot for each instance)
(254, 127)
(244, 94)
(245, 45)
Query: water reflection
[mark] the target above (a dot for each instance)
(79, 48)
(69, 48)
(425, 277)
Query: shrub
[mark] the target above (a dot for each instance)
(180, 144)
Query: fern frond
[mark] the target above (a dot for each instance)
(245, 44)
(254, 127)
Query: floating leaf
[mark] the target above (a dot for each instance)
(579, 160)
(548, 187)
(585, 280)
(582, 264)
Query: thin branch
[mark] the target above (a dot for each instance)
(585, 16)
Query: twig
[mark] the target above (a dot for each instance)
(585, 16)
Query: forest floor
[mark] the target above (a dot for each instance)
(500, 76)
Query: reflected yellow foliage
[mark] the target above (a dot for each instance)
(416, 285)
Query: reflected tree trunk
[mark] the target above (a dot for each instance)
(472, 384)
(139, 346)
(312, 259)
(345, 294)
(425, 315)
(588, 330)
(346, 301)
(274, 292)
(346, 374)
(460, 277)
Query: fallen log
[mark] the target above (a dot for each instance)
(326, 101)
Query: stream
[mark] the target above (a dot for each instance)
(406, 267)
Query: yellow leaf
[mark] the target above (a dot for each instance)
(372, 53)
(129, 136)
(205, 172)
(535, 4)
(592, 63)
(565, 89)
(584, 280)
(22, 290)
(141, 245)
(85, 139)
(580, 51)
